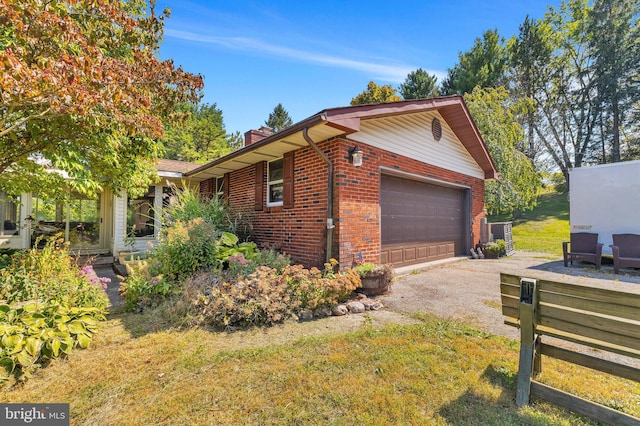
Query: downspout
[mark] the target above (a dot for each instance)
(330, 225)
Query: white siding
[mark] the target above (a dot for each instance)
(410, 135)
(23, 240)
(605, 199)
(120, 224)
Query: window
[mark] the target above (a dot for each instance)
(275, 183)
(220, 187)
(141, 214)
(9, 216)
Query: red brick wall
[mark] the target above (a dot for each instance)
(301, 231)
(358, 190)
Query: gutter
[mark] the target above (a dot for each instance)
(302, 125)
(330, 225)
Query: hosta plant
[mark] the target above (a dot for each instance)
(33, 333)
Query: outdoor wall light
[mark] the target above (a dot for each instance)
(355, 156)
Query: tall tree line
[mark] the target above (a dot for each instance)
(575, 72)
(570, 81)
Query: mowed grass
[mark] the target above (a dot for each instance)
(433, 372)
(544, 228)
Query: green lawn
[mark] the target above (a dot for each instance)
(434, 372)
(544, 228)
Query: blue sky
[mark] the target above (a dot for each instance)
(315, 55)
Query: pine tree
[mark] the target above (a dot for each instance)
(279, 119)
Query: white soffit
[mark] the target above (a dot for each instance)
(266, 152)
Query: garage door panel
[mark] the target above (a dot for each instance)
(420, 221)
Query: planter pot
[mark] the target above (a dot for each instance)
(373, 285)
(491, 254)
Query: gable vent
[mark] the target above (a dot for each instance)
(436, 129)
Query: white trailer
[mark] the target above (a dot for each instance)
(605, 199)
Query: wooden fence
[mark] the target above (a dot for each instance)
(598, 318)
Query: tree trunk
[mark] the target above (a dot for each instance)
(615, 144)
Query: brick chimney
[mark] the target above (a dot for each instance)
(253, 136)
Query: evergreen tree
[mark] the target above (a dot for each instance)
(485, 65)
(279, 119)
(419, 84)
(202, 137)
(615, 52)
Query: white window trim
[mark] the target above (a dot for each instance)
(274, 182)
(219, 190)
(19, 216)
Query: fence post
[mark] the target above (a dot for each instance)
(528, 304)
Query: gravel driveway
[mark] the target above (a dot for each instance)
(469, 289)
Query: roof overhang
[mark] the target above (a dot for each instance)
(319, 128)
(346, 120)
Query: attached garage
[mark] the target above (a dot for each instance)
(422, 221)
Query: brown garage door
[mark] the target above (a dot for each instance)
(420, 221)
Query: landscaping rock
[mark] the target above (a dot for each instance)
(340, 310)
(322, 311)
(306, 315)
(368, 303)
(377, 306)
(355, 307)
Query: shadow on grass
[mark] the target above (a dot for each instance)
(139, 324)
(473, 409)
(550, 206)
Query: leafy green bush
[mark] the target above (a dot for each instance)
(186, 247)
(186, 204)
(559, 182)
(190, 246)
(144, 287)
(50, 275)
(5, 257)
(31, 334)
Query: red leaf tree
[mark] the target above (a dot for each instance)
(82, 90)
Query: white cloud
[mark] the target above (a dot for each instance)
(377, 70)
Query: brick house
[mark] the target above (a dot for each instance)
(417, 196)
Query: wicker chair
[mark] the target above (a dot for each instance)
(582, 246)
(626, 251)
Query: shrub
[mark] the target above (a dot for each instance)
(496, 249)
(265, 297)
(50, 275)
(31, 334)
(559, 182)
(186, 247)
(240, 265)
(186, 204)
(190, 246)
(144, 287)
(262, 299)
(5, 257)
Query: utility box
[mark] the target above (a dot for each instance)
(502, 231)
(605, 200)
